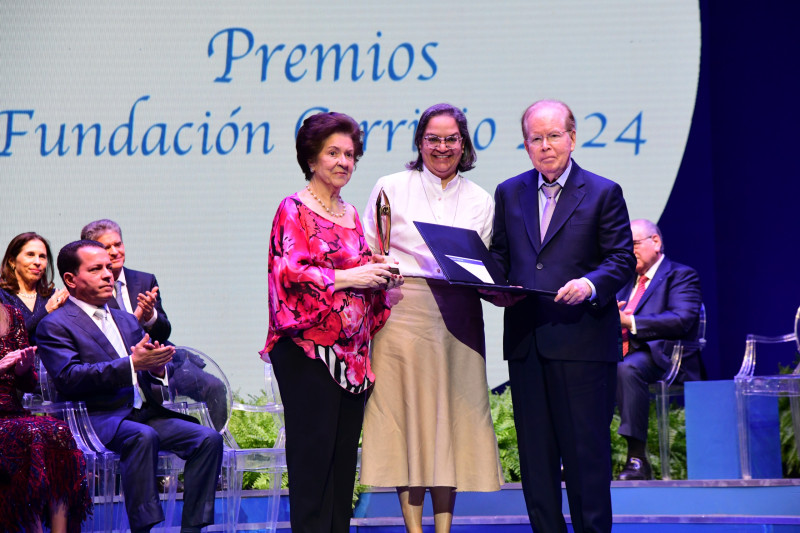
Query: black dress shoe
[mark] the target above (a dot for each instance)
(636, 469)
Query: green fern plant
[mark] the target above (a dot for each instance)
(259, 430)
(790, 460)
(506, 432)
(677, 437)
(503, 417)
(254, 430)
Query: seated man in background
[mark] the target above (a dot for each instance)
(103, 357)
(135, 292)
(659, 306)
(138, 293)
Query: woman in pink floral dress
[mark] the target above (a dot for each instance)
(326, 300)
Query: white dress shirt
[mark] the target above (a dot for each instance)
(418, 196)
(651, 272)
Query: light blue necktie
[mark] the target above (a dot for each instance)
(550, 193)
(118, 295)
(115, 338)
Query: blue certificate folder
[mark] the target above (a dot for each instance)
(464, 259)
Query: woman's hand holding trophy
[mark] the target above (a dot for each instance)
(383, 224)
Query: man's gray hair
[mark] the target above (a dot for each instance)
(93, 230)
(651, 228)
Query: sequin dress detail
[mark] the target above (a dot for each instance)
(39, 460)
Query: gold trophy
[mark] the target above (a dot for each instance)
(383, 225)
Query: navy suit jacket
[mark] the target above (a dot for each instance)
(138, 282)
(589, 236)
(85, 367)
(668, 311)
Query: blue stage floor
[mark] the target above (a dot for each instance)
(696, 506)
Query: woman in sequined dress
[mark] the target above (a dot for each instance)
(42, 473)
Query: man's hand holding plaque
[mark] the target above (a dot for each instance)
(383, 225)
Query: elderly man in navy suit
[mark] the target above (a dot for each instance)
(561, 228)
(658, 306)
(103, 357)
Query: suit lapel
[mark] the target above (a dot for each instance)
(131, 285)
(85, 323)
(658, 280)
(529, 207)
(568, 201)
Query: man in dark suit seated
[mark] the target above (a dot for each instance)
(103, 357)
(561, 228)
(138, 293)
(658, 306)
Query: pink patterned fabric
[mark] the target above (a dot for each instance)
(334, 326)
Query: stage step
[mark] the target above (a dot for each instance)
(712, 506)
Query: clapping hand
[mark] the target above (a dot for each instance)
(20, 360)
(624, 316)
(146, 304)
(151, 356)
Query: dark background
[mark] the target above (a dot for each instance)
(734, 212)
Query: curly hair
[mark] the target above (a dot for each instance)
(316, 128)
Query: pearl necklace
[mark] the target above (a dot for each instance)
(325, 207)
(31, 296)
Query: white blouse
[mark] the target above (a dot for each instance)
(418, 196)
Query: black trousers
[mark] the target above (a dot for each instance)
(323, 425)
(562, 412)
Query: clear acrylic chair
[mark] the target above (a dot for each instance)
(270, 462)
(194, 382)
(199, 385)
(99, 465)
(94, 471)
(273, 405)
(666, 388)
(749, 385)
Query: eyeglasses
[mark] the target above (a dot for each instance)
(552, 138)
(433, 141)
(640, 241)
